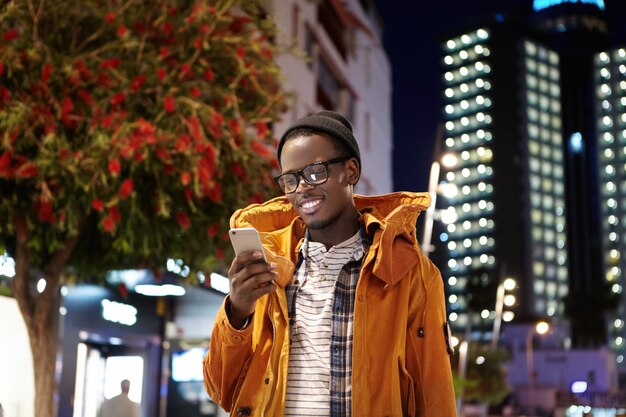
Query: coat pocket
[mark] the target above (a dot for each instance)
(407, 390)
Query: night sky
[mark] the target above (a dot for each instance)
(411, 36)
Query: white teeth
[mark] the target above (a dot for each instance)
(310, 204)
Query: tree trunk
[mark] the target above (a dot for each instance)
(43, 343)
(41, 316)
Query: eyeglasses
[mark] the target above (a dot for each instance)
(314, 174)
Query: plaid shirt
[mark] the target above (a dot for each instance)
(341, 322)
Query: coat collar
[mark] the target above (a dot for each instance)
(386, 217)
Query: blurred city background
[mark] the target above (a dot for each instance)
(131, 132)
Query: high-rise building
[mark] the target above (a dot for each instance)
(536, 137)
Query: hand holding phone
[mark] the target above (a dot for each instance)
(246, 239)
(250, 277)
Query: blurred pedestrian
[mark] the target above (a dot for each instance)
(347, 317)
(120, 405)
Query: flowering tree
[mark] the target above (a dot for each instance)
(129, 132)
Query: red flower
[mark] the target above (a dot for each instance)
(85, 96)
(183, 220)
(163, 154)
(261, 129)
(137, 82)
(114, 213)
(122, 31)
(209, 75)
(117, 99)
(26, 170)
(185, 69)
(97, 204)
(188, 194)
(164, 51)
(126, 189)
(161, 74)
(167, 28)
(185, 178)
(214, 193)
(108, 224)
(110, 63)
(256, 198)
(183, 142)
(45, 212)
(109, 17)
(168, 104)
(234, 126)
(5, 164)
(241, 52)
(46, 72)
(67, 105)
(238, 170)
(114, 167)
(5, 95)
(104, 80)
(261, 150)
(212, 230)
(145, 127)
(195, 92)
(266, 53)
(9, 35)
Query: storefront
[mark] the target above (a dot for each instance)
(188, 340)
(108, 336)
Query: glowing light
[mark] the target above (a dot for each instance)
(539, 5)
(160, 290)
(119, 312)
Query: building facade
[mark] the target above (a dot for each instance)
(610, 88)
(338, 63)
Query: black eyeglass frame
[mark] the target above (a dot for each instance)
(300, 173)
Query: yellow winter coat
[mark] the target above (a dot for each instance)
(401, 365)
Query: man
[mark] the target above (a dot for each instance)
(347, 316)
(120, 405)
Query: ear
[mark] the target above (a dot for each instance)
(352, 171)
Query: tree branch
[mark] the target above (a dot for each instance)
(21, 282)
(53, 272)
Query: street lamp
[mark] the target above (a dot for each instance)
(540, 328)
(448, 190)
(502, 299)
(463, 357)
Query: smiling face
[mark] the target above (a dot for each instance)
(327, 209)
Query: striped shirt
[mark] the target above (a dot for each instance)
(321, 307)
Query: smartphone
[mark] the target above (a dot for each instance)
(246, 239)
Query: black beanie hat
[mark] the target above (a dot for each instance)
(330, 123)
